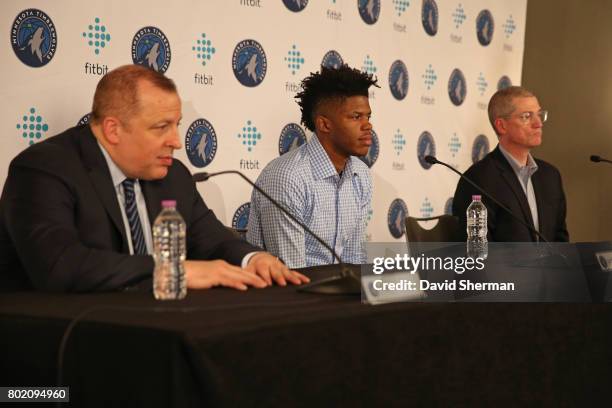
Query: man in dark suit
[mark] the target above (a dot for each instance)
(64, 222)
(530, 188)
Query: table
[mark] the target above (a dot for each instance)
(278, 347)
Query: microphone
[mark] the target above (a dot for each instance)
(432, 160)
(597, 159)
(198, 177)
(346, 282)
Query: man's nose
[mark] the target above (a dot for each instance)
(174, 140)
(536, 121)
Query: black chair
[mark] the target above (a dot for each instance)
(446, 230)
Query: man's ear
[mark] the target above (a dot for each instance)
(111, 130)
(322, 124)
(500, 126)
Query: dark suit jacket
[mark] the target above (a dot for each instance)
(495, 175)
(61, 227)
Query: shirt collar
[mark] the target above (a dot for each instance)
(322, 166)
(531, 166)
(116, 174)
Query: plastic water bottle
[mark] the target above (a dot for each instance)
(169, 252)
(477, 245)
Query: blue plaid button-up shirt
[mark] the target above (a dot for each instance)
(334, 207)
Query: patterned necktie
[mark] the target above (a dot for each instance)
(131, 211)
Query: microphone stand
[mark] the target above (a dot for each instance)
(433, 160)
(343, 283)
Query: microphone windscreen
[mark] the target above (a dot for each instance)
(430, 159)
(201, 177)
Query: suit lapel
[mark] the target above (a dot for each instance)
(512, 181)
(150, 190)
(101, 179)
(537, 189)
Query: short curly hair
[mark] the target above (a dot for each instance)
(329, 84)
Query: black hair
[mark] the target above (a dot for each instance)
(328, 84)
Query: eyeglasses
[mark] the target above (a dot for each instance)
(527, 117)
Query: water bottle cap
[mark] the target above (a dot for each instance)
(476, 197)
(168, 203)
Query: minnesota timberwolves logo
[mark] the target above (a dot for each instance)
(503, 83)
(369, 10)
(241, 217)
(296, 5)
(398, 80)
(33, 37)
(201, 143)
(484, 27)
(372, 155)
(425, 147)
(332, 59)
(249, 63)
(456, 87)
(85, 119)
(396, 216)
(448, 206)
(429, 17)
(480, 148)
(292, 136)
(151, 49)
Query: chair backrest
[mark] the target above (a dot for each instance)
(446, 230)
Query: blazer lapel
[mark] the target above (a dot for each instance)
(150, 190)
(101, 179)
(512, 181)
(537, 189)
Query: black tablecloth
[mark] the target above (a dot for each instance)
(277, 347)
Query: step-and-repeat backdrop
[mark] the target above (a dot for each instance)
(238, 65)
